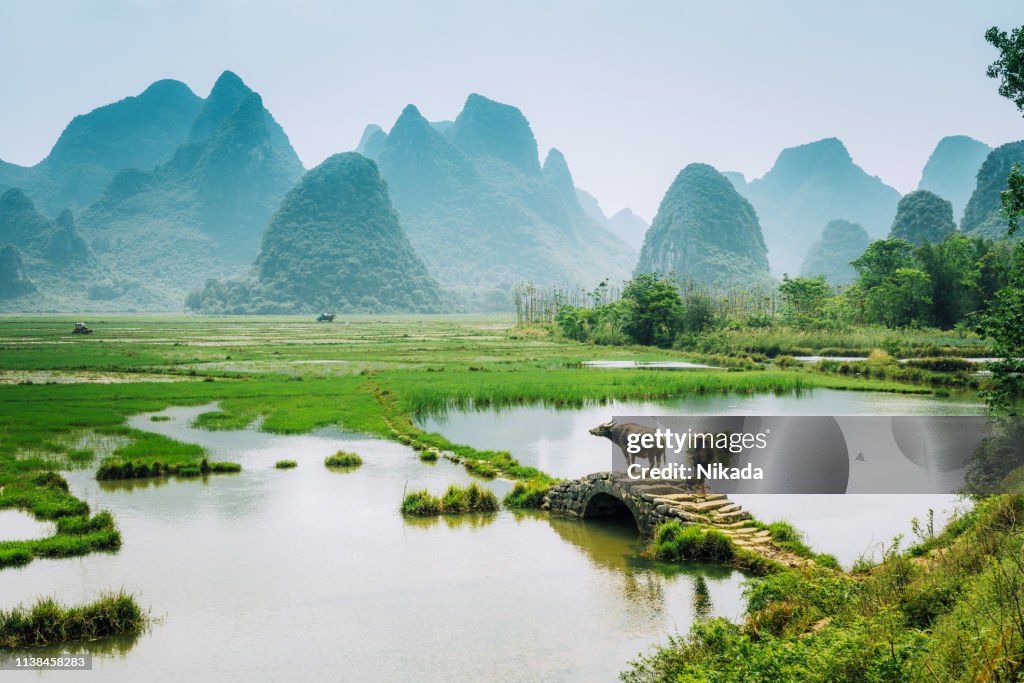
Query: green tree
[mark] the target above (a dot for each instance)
(954, 268)
(881, 260)
(1003, 323)
(804, 299)
(902, 299)
(653, 309)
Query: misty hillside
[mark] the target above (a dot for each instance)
(136, 132)
(841, 242)
(952, 169)
(624, 224)
(334, 245)
(809, 186)
(707, 232)
(41, 259)
(477, 185)
(203, 212)
(983, 214)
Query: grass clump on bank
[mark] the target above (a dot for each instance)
(343, 459)
(286, 464)
(456, 500)
(48, 622)
(526, 494)
(788, 537)
(676, 541)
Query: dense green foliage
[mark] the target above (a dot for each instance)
(482, 215)
(936, 284)
(922, 216)
(809, 186)
(286, 464)
(946, 610)
(705, 231)
(952, 169)
(48, 622)
(841, 242)
(334, 245)
(651, 312)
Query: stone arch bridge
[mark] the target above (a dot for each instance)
(650, 503)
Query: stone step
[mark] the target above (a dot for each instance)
(713, 496)
(731, 516)
(729, 508)
(677, 504)
(743, 523)
(711, 505)
(680, 497)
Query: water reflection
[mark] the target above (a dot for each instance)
(311, 561)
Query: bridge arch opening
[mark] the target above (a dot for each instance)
(609, 508)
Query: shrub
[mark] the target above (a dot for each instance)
(676, 541)
(285, 464)
(48, 622)
(456, 500)
(526, 495)
(343, 459)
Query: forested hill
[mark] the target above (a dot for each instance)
(335, 245)
(705, 231)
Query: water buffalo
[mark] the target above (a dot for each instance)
(619, 434)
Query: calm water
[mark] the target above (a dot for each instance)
(558, 442)
(309, 574)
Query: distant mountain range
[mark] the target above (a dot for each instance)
(136, 132)
(481, 210)
(809, 186)
(157, 194)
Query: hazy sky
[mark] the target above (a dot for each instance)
(629, 91)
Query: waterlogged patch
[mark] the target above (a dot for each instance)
(85, 377)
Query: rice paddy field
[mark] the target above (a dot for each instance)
(86, 420)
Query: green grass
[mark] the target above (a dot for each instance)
(455, 500)
(48, 622)
(675, 541)
(853, 341)
(787, 536)
(343, 459)
(949, 613)
(286, 464)
(385, 372)
(526, 495)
